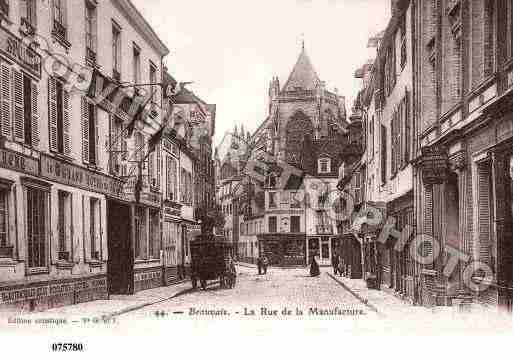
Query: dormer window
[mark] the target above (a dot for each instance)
(324, 165)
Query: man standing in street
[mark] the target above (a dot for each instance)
(265, 263)
(259, 265)
(334, 263)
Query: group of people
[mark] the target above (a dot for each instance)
(262, 263)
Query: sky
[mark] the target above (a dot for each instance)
(231, 49)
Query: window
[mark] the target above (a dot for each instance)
(94, 227)
(153, 80)
(4, 8)
(28, 13)
(59, 117)
(140, 233)
(19, 106)
(137, 64)
(59, 19)
(116, 52)
(4, 218)
(402, 27)
(295, 224)
(371, 137)
(294, 200)
(383, 154)
(117, 145)
(154, 244)
(90, 30)
(92, 134)
(273, 224)
(64, 224)
(357, 187)
(324, 165)
(272, 199)
(36, 225)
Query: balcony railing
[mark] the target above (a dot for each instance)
(59, 31)
(324, 229)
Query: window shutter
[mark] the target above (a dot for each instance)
(96, 135)
(19, 110)
(168, 177)
(66, 122)
(85, 130)
(159, 165)
(407, 125)
(392, 149)
(35, 114)
(5, 77)
(383, 153)
(52, 113)
(484, 215)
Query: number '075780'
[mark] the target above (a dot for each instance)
(67, 347)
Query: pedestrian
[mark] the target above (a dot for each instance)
(314, 268)
(340, 266)
(334, 263)
(259, 265)
(265, 263)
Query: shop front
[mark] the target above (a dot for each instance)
(323, 248)
(283, 249)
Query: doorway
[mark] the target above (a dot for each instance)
(120, 263)
(325, 257)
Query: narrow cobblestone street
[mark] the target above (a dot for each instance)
(262, 294)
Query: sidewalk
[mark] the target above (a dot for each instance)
(380, 301)
(118, 304)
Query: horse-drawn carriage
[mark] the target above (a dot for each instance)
(211, 259)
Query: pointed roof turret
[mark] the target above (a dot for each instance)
(303, 74)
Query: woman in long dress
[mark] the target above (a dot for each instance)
(314, 268)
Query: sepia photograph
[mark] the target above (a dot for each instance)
(216, 172)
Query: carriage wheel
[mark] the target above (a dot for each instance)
(194, 282)
(203, 283)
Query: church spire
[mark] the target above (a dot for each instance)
(303, 74)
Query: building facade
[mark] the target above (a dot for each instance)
(299, 145)
(463, 165)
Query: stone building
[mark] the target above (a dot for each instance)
(305, 132)
(462, 177)
(62, 190)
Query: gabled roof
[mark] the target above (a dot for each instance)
(303, 74)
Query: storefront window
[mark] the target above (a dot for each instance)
(154, 244)
(140, 233)
(94, 227)
(3, 218)
(36, 212)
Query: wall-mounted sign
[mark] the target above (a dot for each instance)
(18, 162)
(17, 51)
(72, 175)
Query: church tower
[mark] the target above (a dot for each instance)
(302, 107)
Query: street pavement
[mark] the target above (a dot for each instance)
(284, 295)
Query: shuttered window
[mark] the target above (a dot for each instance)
(90, 132)
(4, 218)
(18, 106)
(484, 211)
(5, 93)
(36, 226)
(383, 154)
(59, 117)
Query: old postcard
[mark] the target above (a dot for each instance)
(175, 170)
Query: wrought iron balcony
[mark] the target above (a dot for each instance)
(59, 31)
